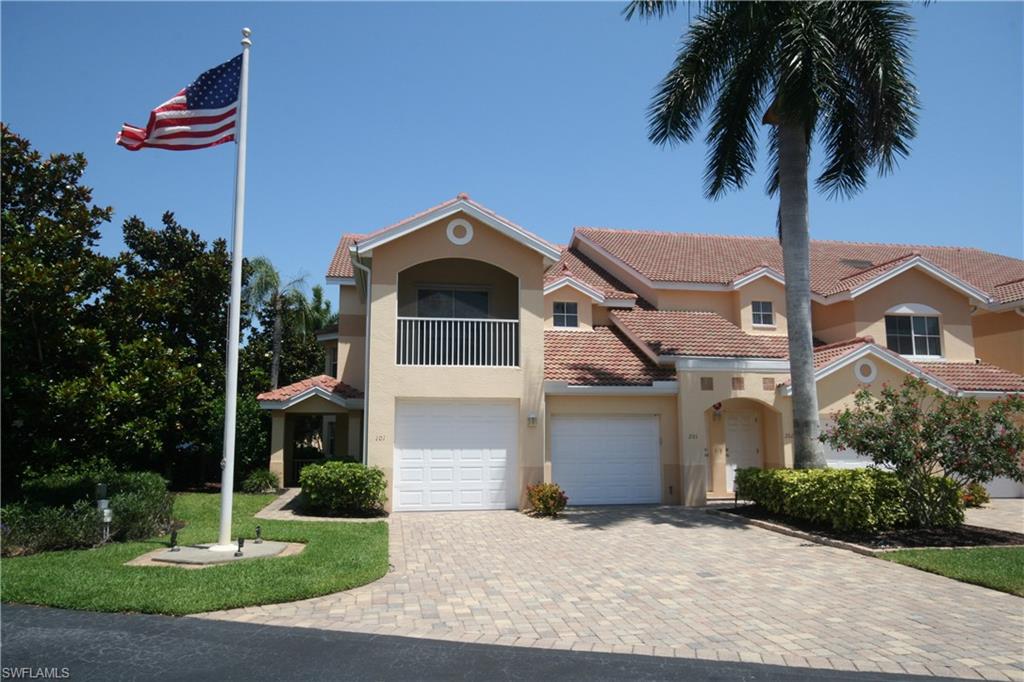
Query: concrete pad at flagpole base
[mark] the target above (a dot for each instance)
(205, 554)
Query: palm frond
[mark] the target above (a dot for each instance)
(264, 283)
(732, 135)
(648, 9)
(683, 95)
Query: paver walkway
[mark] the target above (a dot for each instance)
(1003, 514)
(668, 581)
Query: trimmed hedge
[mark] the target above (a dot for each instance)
(59, 511)
(343, 489)
(859, 500)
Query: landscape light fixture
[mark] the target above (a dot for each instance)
(103, 505)
(241, 543)
(259, 536)
(174, 541)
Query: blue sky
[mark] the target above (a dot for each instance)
(361, 114)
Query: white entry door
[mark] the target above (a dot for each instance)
(742, 443)
(607, 459)
(455, 455)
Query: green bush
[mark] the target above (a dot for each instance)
(343, 488)
(59, 510)
(857, 500)
(546, 499)
(261, 481)
(974, 495)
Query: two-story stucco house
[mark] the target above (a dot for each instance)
(472, 357)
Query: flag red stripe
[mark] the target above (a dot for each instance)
(195, 133)
(193, 120)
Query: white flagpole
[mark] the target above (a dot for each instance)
(227, 479)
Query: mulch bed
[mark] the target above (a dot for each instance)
(963, 536)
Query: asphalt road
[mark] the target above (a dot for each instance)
(77, 645)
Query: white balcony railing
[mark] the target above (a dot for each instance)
(458, 342)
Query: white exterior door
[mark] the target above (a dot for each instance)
(607, 459)
(455, 455)
(742, 443)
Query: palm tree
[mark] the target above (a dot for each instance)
(838, 70)
(264, 288)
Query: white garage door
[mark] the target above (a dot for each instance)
(455, 455)
(607, 459)
(1004, 487)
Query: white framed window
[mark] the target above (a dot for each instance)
(763, 315)
(913, 335)
(566, 314)
(452, 302)
(332, 361)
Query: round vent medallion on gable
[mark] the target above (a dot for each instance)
(460, 232)
(865, 371)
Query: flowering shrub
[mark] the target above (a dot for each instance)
(919, 433)
(546, 499)
(974, 495)
(859, 500)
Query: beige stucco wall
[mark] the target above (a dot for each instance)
(762, 289)
(391, 382)
(567, 294)
(501, 287)
(351, 341)
(914, 286)
(999, 339)
(663, 406)
(721, 302)
(835, 322)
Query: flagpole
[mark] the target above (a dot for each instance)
(227, 480)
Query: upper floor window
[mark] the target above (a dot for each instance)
(913, 334)
(444, 302)
(566, 314)
(763, 313)
(332, 361)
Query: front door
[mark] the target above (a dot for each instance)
(742, 443)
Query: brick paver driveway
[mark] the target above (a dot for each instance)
(1004, 514)
(668, 581)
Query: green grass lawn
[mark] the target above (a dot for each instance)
(338, 556)
(1001, 568)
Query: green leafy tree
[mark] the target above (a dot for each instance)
(319, 313)
(282, 301)
(920, 433)
(836, 70)
(52, 278)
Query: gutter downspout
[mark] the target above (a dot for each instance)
(366, 358)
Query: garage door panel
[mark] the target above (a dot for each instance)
(607, 459)
(453, 455)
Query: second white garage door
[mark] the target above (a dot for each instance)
(455, 455)
(607, 459)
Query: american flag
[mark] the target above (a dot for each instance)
(202, 115)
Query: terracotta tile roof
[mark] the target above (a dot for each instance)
(341, 262)
(829, 353)
(323, 381)
(671, 332)
(603, 357)
(835, 266)
(968, 376)
(587, 271)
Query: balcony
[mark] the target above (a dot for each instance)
(458, 342)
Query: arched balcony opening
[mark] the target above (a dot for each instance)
(456, 312)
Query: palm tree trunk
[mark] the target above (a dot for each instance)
(794, 233)
(275, 362)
